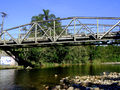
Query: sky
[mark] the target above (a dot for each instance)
(21, 11)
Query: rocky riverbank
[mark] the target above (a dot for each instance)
(106, 81)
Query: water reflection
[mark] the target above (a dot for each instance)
(38, 79)
(6, 78)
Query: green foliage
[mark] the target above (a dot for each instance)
(77, 54)
(45, 16)
(47, 25)
(55, 54)
(71, 54)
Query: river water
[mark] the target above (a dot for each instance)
(37, 79)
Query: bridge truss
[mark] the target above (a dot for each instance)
(71, 30)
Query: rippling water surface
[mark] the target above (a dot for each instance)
(37, 79)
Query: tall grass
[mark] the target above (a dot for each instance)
(11, 67)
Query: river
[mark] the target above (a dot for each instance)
(37, 79)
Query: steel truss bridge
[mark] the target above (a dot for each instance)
(71, 30)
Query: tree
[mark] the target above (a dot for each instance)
(49, 24)
(54, 54)
(77, 54)
(45, 16)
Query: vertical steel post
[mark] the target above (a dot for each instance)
(74, 30)
(50, 32)
(54, 31)
(36, 33)
(4, 38)
(74, 27)
(19, 38)
(66, 31)
(103, 29)
(97, 29)
(84, 31)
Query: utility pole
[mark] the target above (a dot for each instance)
(3, 14)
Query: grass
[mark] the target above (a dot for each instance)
(49, 65)
(11, 67)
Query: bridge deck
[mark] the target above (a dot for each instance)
(64, 39)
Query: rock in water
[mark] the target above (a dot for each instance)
(70, 88)
(28, 67)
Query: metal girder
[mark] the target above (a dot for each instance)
(36, 33)
(54, 38)
(79, 30)
(51, 31)
(27, 33)
(44, 32)
(110, 29)
(65, 29)
(58, 43)
(88, 29)
(109, 18)
(11, 37)
(88, 24)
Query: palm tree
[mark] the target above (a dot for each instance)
(47, 16)
(44, 16)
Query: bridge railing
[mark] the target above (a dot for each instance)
(59, 30)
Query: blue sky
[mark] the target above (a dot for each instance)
(20, 11)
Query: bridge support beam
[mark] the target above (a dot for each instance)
(97, 29)
(110, 29)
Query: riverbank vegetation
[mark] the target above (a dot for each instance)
(55, 55)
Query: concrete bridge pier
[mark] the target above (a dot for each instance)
(15, 55)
